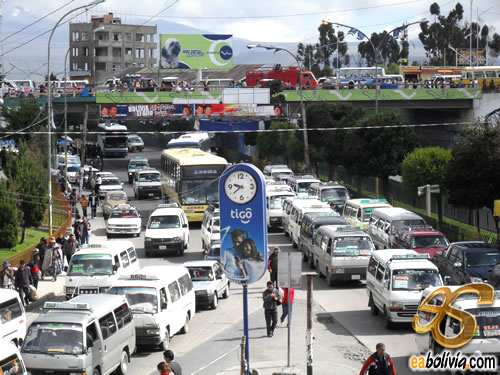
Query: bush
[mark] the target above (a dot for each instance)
(9, 225)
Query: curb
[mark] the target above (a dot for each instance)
(40, 302)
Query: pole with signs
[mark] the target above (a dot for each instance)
(242, 193)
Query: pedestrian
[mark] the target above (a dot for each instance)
(273, 265)
(56, 265)
(379, 363)
(34, 266)
(23, 280)
(84, 203)
(83, 231)
(60, 239)
(271, 297)
(7, 276)
(163, 369)
(42, 246)
(168, 356)
(98, 183)
(287, 304)
(76, 225)
(94, 203)
(69, 248)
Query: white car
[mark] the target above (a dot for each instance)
(124, 220)
(209, 282)
(110, 183)
(135, 142)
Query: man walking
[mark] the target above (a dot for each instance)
(69, 248)
(271, 297)
(168, 356)
(379, 363)
(273, 265)
(84, 203)
(94, 202)
(83, 231)
(23, 282)
(287, 304)
(42, 247)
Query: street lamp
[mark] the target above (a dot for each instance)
(376, 50)
(49, 104)
(307, 161)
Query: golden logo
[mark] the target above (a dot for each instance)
(468, 323)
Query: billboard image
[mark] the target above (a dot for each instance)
(196, 51)
(146, 110)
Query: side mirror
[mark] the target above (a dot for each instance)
(184, 225)
(115, 267)
(164, 305)
(209, 230)
(90, 344)
(457, 264)
(447, 280)
(455, 326)
(219, 276)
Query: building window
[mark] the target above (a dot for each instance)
(139, 53)
(76, 36)
(139, 38)
(85, 51)
(116, 67)
(128, 51)
(74, 52)
(151, 53)
(102, 36)
(74, 66)
(117, 52)
(128, 37)
(151, 38)
(85, 36)
(117, 36)
(86, 66)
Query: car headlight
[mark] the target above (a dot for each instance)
(475, 279)
(141, 187)
(176, 238)
(396, 306)
(153, 332)
(148, 239)
(339, 270)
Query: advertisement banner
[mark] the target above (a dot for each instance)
(196, 51)
(235, 110)
(465, 55)
(243, 223)
(146, 110)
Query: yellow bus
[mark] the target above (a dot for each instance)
(192, 179)
(483, 74)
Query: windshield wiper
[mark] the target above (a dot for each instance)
(37, 351)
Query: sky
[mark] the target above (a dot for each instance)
(266, 21)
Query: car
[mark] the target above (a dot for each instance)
(135, 142)
(113, 199)
(209, 282)
(210, 227)
(110, 183)
(124, 219)
(213, 252)
(135, 163)
(421, 239)
(147, 183)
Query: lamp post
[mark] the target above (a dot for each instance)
(307, 161)
(65, 122)
(49, 105)
(376, 50)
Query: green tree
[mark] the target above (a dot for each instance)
(426, 166)
(9, 226)
(28, 113)
(474, 169)
(29, 179)
(393, 68)
(388, 47)
(378, 152)
(274, 144)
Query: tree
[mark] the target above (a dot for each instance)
(29, 179)
(426, 166)
(474, 169)
(26, 114)
(393, 68)
(378, 152)
(9, 226)
(388, 48)
(275, 144)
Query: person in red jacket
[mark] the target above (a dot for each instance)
(379, 363)
(287, 303)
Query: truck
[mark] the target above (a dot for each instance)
(466, 262)
(290, 76)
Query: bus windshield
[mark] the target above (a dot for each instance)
(116, 141)
(163, 222)
(352, 246)
(91, 264)
(149, 177)
(334, 193)
(199, 191)
(418, 279)
(54, 338)
(141, 299)
(138, 164)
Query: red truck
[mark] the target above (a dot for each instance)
(288, 75)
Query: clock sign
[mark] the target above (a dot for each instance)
(243, 223)
(240, 187)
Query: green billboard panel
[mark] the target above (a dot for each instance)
(196, 51)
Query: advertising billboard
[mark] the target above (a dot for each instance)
(146, 110)
(196, 51)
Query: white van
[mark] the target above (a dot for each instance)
(274, 204)
(341, 253)
(162, 301)
(299, 208)
(331, 192)
(12, 317)
(287, 208)
(147, 183)
(26, 86)
(385, 222)
(486, 339)
(167, 230)
(301, 184)
(11, 361)
(210, 227)
(395, 280)
(357, 212)
(87, 335)
(94, 268)
(277, 169)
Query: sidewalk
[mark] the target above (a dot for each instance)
(48, 290)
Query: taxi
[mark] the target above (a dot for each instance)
(124, 219)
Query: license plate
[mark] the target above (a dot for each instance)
(150, 194)
(190, 211)
(162, 247)
(123, 231)
(355, 277)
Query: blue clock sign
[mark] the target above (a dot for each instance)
(243, 223)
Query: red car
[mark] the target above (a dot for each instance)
(420, 239)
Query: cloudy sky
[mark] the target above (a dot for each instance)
(285, 21)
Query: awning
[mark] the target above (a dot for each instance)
(412, 71)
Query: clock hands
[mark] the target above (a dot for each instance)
(238, 187)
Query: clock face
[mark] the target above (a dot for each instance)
(240, 187)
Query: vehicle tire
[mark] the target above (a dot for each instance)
(225, 295)
(185, 327)
(373, 308)
(166, 340)
(96, 372)
(215, 302)
(294, 244)
(130, 180)
(329, 279)
(186, 244)
(203, 248)
(387, 320)
(311, 261)
(284, 230)
(181, 252)
(318, 270)
(301, 249)
(122, 369)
